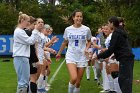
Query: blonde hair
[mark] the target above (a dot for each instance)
(22, 17)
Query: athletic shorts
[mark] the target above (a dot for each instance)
(78, 64)
(41, 59)
(33, 68)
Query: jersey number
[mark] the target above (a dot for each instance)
(76, 42)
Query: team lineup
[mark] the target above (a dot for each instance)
(108, 52)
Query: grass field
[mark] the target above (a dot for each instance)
(8, 80)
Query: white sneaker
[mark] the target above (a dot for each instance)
(104, 91)
(47, 88)
(48, 85)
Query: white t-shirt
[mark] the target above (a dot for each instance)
(77, 38)
(107, 41)
(22, 42)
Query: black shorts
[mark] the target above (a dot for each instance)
(33, 68)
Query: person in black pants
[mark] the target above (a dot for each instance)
(33, 59)
(119, 45)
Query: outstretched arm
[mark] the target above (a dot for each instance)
(65, 42)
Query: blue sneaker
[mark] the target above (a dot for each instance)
(42, 90)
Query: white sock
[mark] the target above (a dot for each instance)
(46, 80)
(71, 88)
(40, 81)
(76, 90)
(111, 82)
(105, 78)
(116, 85)
(88, 72)
(95, 73)
(29, 88)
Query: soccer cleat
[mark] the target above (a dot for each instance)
(95, 80)
(112, 92)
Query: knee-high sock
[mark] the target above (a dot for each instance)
(116, 86)
(44, 82)
(95, 72)
(111, 82)
(40, 81)
(105, 78)
(88, 72)
(33, 87)
(46, 77)
(76, 90)
(71, 88)
(98, 69)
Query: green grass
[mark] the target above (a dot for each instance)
(7, 77)
(8, 80)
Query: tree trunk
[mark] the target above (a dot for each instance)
(17, 4)
(52, 2)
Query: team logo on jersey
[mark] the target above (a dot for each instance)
(77, 37)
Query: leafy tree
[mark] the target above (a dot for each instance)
(95, 12)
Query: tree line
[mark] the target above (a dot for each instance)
(96, 13)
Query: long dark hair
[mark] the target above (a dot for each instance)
(70, 19)
(121, 20)
(114, 20)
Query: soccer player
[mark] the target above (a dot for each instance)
(47, 51)
(91, 52)
(106, 86)
(41, 55)
(78, 38)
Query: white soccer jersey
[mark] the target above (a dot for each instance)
(40, 47)
(107, 41)
(47, 39)
(47, 54)
(77, 38)
(93, 39)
